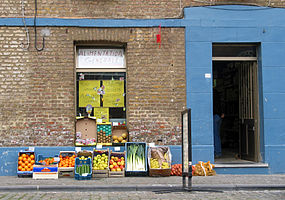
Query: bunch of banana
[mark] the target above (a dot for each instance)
(154, 163)
(164, 165)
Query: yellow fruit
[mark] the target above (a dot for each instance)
(116, 141)
(120, 139)
(124, 141)
(115, 137)
(124, 135)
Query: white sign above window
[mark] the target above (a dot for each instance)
(100, 58)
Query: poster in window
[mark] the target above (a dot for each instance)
(114, 93)
(102, 113)
(88, 93)
(114, 100)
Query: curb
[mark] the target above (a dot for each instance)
(156, 188)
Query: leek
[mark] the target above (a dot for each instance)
(135, 157)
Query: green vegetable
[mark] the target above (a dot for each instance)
(136, 157)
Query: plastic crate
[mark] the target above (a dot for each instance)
(41, 157)
(131, 172)
(24, 174)
(78, 163)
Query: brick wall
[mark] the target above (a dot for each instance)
(143, 9)
(38, 88)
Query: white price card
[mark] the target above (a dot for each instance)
(117, 148)
(31, 148)
(84, 174)
(77, 149)
(56, 159)
(115, 123)
(99, 146)
(151, 144)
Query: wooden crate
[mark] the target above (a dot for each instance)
(66, 171)
(117, 173)
(160, 171)
(100, 173)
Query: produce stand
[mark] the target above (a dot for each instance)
(83, 169)
(159, 160)
(119, 159)
(131, 168)
(63, 170)
(100, 163)
(26, 160)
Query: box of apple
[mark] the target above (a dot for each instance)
(117, 163)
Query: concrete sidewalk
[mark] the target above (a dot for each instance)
(217, 182)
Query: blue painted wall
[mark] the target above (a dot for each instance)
(204, 26)
(232, 24)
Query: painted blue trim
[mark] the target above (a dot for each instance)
(103, 23)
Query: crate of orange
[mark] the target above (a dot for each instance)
(26, 161)
(66, 163)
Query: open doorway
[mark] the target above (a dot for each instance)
(235, 94)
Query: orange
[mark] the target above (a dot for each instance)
(23, 165)
(24, 159)
(20, 162)
(29, 159)
(24, 155)
(26, 167)
(20, 158)
(23, 169)
(32, 162)
(26, 162)
(19, 168)
(32, 156)
(29, 165)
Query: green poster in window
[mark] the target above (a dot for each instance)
(102, 113)
(114, 93)
(88, 93)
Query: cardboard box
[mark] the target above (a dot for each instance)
(120, 132)
(45, 172)
(86, 132)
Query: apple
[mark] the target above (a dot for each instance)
(113, 170)
(111, 166)
(121, 167)
(111, 162)
(119, 163)
(119, 160)
(116, 166)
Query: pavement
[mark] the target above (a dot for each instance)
(172, 183)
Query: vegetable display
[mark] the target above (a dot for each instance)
(83, 169)
(136, 157)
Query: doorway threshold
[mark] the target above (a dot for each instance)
(241, 165)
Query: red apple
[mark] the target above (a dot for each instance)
(111, 162)
(122, 167)
(116, 166)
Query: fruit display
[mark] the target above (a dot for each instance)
(26, 161)
(104, 133)
(117, 163)
(159, 157)
(66, 161)
(47, 161)
(100, 160)
(120, 134)
(120, 139)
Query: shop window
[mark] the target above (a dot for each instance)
(101, 83)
